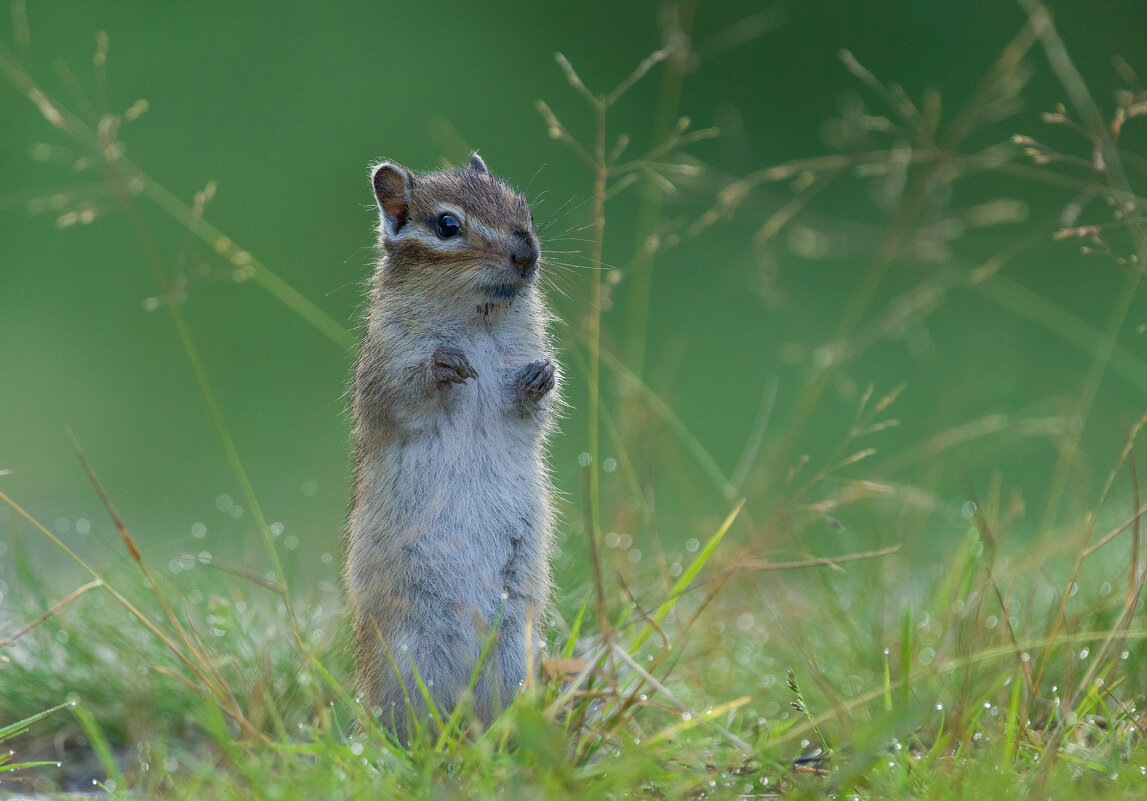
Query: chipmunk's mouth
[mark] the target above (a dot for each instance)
(508, 285)
(505, 291)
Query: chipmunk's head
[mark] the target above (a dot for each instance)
(460, 231)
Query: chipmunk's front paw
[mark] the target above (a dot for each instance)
(533, 382)
(449, 365)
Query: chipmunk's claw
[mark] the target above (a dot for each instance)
(534, 382)
(449, 365)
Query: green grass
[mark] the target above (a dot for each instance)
(913, 645)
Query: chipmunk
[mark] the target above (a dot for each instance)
(454, 393)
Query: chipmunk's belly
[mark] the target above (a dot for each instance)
(474, 473)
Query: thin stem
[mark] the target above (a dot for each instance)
(649, 211)
(601, 174)
(1112, 171)
(207, 393)
(54, 610)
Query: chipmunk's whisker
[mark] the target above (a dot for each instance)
(549, 281)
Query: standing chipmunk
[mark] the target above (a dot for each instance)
(452, 520)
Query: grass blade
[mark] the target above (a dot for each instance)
(687, 577)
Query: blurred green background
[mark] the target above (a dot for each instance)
(284, 108)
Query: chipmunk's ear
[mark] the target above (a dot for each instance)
(477, 165)
(392, 185)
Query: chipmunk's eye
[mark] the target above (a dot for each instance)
(448, 226)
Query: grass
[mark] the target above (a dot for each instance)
(916, 647)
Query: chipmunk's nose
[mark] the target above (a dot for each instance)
(524, 257)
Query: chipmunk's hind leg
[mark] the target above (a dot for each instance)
(430, 655)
